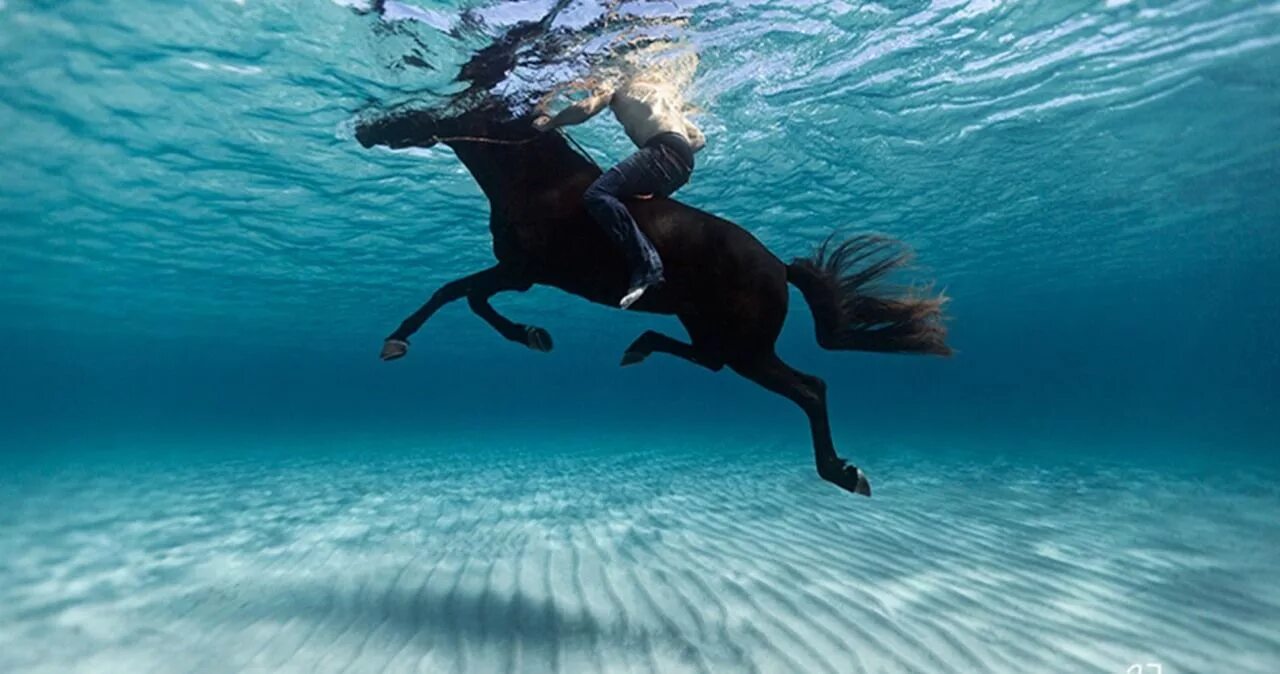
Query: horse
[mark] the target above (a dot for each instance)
(726, 288)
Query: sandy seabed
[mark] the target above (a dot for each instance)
(669, 560)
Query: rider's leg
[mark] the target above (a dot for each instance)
(641, 173)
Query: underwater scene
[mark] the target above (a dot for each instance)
(643, 336)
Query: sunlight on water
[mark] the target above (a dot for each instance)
(193, 157)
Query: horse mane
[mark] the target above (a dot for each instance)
(507, 121)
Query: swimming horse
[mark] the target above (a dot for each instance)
(726, 288)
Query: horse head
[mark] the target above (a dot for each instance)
(491, 121)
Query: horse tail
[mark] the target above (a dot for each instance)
(852, 313)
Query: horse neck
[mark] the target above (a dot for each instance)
(512, 172)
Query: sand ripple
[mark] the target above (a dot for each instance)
(568, 561)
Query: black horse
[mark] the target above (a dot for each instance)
(727, 289)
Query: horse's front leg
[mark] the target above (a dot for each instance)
(477, 287)
(531, 336)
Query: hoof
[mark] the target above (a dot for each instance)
(862, 486)
(847, 477)
(393, 349)
(537, 339)
(633, 357)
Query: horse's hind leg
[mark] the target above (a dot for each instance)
(655, 342)
(810, 393)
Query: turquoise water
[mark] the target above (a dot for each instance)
(206, 467)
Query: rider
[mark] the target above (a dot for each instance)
(651, 111)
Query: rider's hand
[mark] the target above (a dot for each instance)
(542, 123)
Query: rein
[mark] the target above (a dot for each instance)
(481, 139)
(500, 141)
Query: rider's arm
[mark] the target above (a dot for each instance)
(577, 113)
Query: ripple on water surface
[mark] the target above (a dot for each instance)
(179, 163)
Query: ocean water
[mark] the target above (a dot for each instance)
(204, 467)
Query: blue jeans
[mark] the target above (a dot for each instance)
(654, 169)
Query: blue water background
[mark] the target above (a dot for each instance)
(205, 468)
(196, 253)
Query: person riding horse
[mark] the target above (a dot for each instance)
(650, 109)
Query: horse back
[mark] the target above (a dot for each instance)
(708, 261)
(714, 267)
